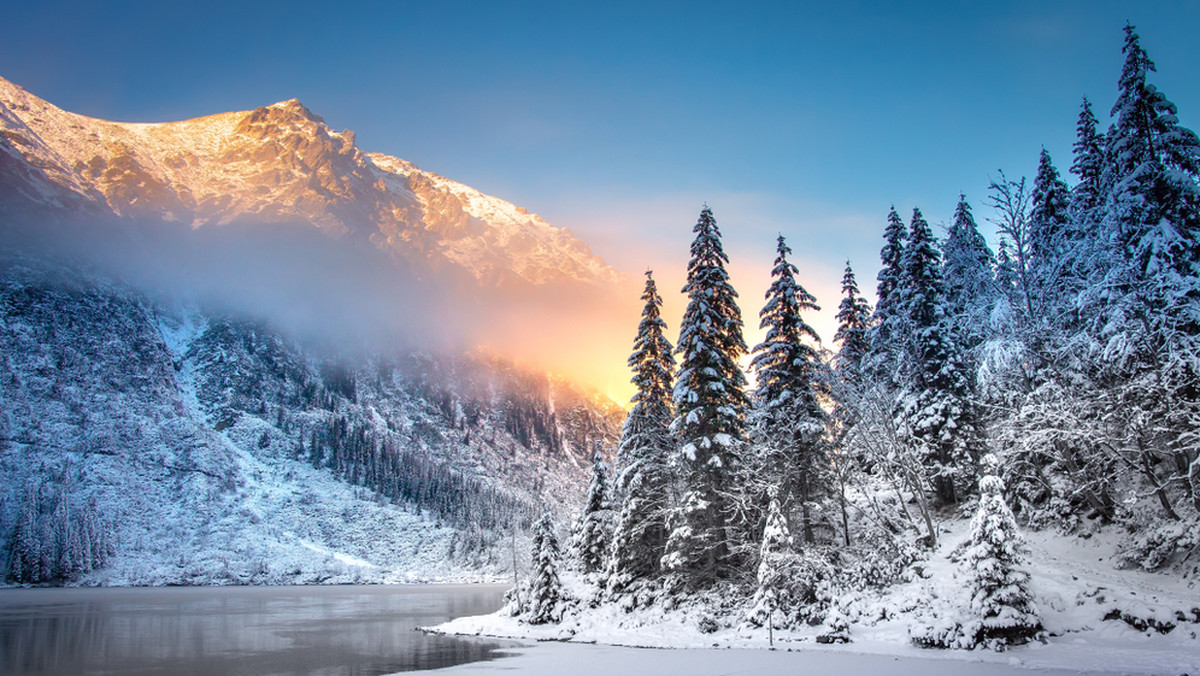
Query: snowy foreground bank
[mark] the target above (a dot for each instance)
(604, 660)
(1074, 582)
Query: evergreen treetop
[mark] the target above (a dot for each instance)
(785, 365)
(854, 317)
(1049, 233)
(647, 427)
(1087, 164)
(968, 273)
(709, 394)
(923, 284)
(891, 256)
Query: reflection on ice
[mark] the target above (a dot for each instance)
(237, 630)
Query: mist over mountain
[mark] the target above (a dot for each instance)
(271, 211)
(240, 349)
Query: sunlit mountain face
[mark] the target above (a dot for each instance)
(270, 210)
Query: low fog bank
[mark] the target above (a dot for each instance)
(346, 295)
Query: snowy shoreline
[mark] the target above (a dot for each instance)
(601, 660)
(1074, 583)
(1112, 650)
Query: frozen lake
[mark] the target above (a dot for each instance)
(353, 630)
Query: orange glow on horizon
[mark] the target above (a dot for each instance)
(586, 338)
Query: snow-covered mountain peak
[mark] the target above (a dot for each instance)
(280, 163)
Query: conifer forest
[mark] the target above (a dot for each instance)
(1047, 381)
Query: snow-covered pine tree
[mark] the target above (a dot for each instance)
(710, 403)
(969, 282)
(848, 385)
(593, 532)
(854, 318)
(643, 457)
(993, 569)
(1049, 241)
(775, 558)
(1154, 203)
(1085, 249)
(1088, 165)
(545, 588)
(788, 421)
(935, 411)
(1007, 281)
(1145, 313)
(888, 333)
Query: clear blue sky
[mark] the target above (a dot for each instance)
(619, 119)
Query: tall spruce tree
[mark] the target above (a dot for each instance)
(849, 383)
(1086, 250)
(1049, 238)
(854, 319)
(935, 412)
(888, 334)
(710, 403)
(1153, 172)
(1088, 165)
(1145, 312)
(788, 419)
(643, 457)
(969, 282)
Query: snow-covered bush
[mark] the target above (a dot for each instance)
(1161, 546)
(516, 601)
(877, 560)
(838, 625)
(946, 633)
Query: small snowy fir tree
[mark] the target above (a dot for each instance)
(545, 589)
(1007, 280)
(993, 569)
(643, 477)
(854, 319)
(774, 561)
(594, 529)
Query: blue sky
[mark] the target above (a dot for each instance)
(619, 119)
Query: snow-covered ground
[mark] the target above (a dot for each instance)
(1074, 582)
(606, 660)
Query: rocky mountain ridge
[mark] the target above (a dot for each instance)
(278, 164)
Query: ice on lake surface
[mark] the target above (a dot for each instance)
(353, 630)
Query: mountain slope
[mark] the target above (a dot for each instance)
(185, 446)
